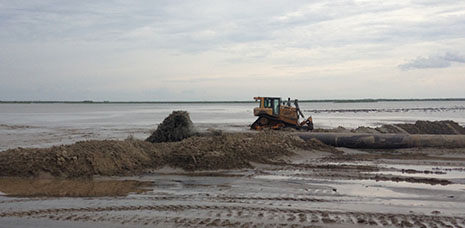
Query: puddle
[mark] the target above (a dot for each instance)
(26, 187)
(358, 163)
(361, 187)
(367, 188)
(380, 188)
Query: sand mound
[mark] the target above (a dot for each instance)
(176, 127)
(437, 127)
(82, 159)
(366, 130)
(128, 157)
(339, 129)
(445, 127)
(227, 151)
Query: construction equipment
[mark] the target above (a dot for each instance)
(276, 115)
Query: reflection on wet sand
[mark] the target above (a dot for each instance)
(28, 187)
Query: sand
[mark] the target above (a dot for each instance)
(176, 127)
(263, 179)
(131, 156)
(445, 127)
(348, 188)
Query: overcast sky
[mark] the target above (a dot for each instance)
(231, 50)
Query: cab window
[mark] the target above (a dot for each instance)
(276, 104)
(267, 103)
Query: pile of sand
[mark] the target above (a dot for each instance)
(235, 150)
(129, 157)
(339, 129)
(82, 159)
(176, 127)
(426, 127)
(446, 127)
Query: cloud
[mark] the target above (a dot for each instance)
(194, 45)
(434, 61)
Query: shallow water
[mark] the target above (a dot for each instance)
(42, 125)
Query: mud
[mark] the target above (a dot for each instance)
(14, 127)
(432, 181)
(130, 157)
(318, 189)
(176, 127)
(27, 187)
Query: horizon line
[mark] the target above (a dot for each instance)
(236, 101)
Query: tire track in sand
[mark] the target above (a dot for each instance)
(234, 216)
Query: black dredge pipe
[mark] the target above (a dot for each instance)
(385, 141)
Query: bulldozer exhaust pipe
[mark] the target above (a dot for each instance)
(385, 141)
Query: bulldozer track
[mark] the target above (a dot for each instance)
(315, 193)
(234, 216)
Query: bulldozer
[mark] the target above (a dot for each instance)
(274, 114)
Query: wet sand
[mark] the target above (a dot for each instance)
(416, 187)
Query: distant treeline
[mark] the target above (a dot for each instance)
(213, 102)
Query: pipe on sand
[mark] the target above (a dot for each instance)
(385, 141)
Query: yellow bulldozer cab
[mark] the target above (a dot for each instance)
(268, 105)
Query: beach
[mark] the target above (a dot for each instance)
(272, 178)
